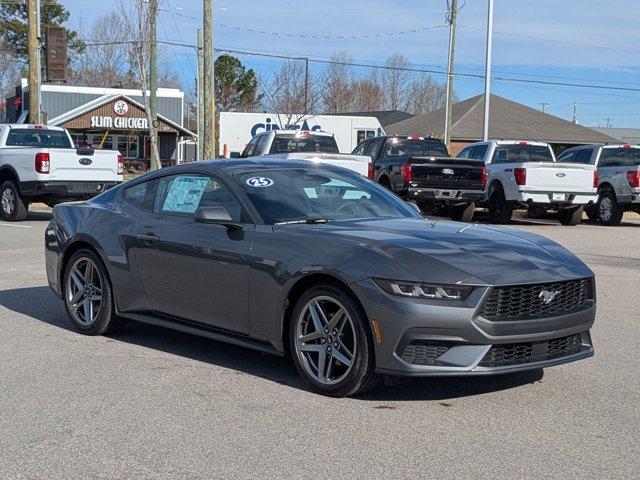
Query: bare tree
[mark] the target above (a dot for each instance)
(425, 95)
(283, 93)
(395, 82)
(10, 70)
(367, 92)
(338, 94)
(137, 17)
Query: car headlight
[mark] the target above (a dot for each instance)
(424, 290)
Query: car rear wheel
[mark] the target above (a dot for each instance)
(536, 211)
(609, 212)
(592, 212)
(570, 216)
(463, 213)
(329, 343)
(12, 206)
(500, 211)
(87, 295)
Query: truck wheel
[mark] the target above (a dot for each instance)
(500, 211)
(463, 213)
(570, 216)
(12, 206)
(536, 211)
(384, 181)
(609, 212)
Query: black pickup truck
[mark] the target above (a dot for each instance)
(419, 169)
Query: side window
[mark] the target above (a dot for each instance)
(465, 153)
(180, 194)
(376, 145)
(583, 156)
(501, 155)
(248, 150)
(217, 194)
(262, 142)
(359, 150)
(567, 156)
(480, 152)
(142, 194)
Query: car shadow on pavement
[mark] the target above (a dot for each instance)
(38, 216)
(41, 304)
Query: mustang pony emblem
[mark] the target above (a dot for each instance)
(547, 296)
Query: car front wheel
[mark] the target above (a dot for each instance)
(609, 212)
(500, 211)
(87, 295)
(329, 343)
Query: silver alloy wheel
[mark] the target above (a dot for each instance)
(325, 340)
(8, 201)
(84, 291)
(606, 209)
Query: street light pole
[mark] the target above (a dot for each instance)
(453, 14)
(487, 73)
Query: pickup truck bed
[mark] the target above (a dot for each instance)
(357, 163)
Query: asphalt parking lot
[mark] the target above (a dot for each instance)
(152, 403)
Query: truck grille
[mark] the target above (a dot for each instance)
(519, 353)
(422, 352)
(526, 302)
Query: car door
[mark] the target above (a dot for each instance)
(195, 271)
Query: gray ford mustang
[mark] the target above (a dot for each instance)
(320, 263)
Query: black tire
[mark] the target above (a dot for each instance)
(106, 320)
(361, 376)
(500, 211)
(570, 216)
(463, 213)
(385, 182)
(536, 211)
(13, 206)
(609, 211)
(592, 212)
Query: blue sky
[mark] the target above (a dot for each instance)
(571, 41)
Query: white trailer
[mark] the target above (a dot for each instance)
(237, 128)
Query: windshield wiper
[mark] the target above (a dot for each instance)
(309, 220)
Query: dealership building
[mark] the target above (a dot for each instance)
(109, 118)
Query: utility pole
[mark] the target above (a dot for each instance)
(33, 16)
(608, 122)
(575, 118)
(200, 94)
(487, 72)
(306, 85)
(153, 85)
(452, 16)
(209, 110)
(544, 104)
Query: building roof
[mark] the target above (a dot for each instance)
(385, 117)
(507, 120)
(624, 135)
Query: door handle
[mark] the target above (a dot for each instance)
(148, 238)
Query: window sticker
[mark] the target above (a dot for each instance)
(259, 182)
(184, 194)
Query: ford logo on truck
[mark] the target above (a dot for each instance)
(85, 161)
(447, 171)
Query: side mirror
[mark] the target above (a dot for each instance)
(415, 207)
(216, 216)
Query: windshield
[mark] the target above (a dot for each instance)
(285, 195)
(405, 147)
(522, 153)
(304, 143)
(622, 156)
(26, 137)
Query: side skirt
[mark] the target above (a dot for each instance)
(203, 331)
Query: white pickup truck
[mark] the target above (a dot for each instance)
(526, 175)
(41, 164)
(315, 146)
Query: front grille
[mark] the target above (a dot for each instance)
(526, 302)
(519, 353)
(421, 352)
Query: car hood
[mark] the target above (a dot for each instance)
(453, 252)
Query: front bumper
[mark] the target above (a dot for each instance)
(65, 189)
(445, 196)
(455, 341)
(547, 198)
